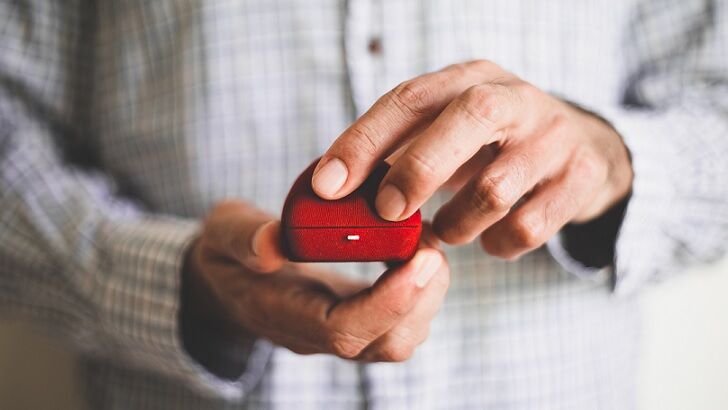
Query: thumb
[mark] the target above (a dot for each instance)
(372, 312)
(247, 235)
(264, 253)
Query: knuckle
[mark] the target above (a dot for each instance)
(559, 125)
(481, 65)
(490, 195)
(458, 68)
(396, 307)
(527, 231)
(519, 163)
(480, 104)
(589, 167)
(484, 102)
(345, 345)
(398, 302)
(412, 97)
(526, 91)
(423, 165)
(366, 139)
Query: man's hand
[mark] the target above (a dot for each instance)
(239, 279)
(525, 163)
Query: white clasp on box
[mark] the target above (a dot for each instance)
(352, 237)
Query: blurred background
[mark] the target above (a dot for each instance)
(684, 361)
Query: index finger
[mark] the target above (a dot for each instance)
(378, 132)
(478, 117)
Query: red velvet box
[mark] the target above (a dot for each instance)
(347, 229)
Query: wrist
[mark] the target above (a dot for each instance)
(205, 335)
(200, 301)
(192, 286)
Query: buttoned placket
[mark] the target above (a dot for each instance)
(363, 49)
(378, 50)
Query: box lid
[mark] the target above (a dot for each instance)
(304, 209)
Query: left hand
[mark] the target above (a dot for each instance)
(524, 162)
(237, 284)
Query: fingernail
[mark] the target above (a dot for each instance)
(390, 202)
(330, 178)
(254, 246)
(428, 266)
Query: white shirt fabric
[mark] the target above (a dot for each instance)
(122, 122)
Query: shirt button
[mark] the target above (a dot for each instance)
(375, 46)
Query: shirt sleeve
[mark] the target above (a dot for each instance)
(674, 122)
(77, 258)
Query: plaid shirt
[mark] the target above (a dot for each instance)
(122, 122)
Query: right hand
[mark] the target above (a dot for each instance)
(240, 280)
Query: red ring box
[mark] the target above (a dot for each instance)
(347, 229)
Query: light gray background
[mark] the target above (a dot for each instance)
(684, 360)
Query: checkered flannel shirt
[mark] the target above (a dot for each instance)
(122, 122)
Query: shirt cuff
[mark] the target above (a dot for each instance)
(643, 246)
(139, 296)
(587, 249)
(639, 244)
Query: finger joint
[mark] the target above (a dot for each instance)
(345, 345)
(484, 103)
(412, 98)
(366, 139)
(527, 231)
(490, 195)
(423, 165)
